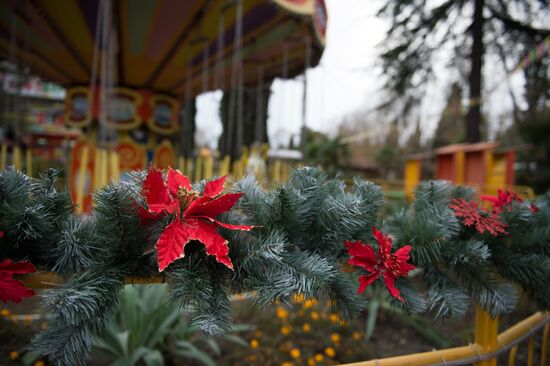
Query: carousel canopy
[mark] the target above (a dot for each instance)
(169, 46)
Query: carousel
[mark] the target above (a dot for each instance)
(132, 71)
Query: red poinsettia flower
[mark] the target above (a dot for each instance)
(501, 200)
(10, 288)
(473, 215)
(195, 215)
(389, 265)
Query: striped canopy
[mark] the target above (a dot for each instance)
(169, 46)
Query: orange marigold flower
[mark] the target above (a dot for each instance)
(311, 362)
(335, 338)
(295, 353)
(14, 355)
(314, 315)
(319, 357)
(285, 330)
(282, 313)
(306, 327)
(330, 352)
(356, 335)
(254, 344)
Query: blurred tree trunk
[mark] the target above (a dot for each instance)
(473, 120)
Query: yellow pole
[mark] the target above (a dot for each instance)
(28, 161)
(512, 356)
(97, 168)
(198, 168)
(81, 180)
(277, 171)
(115, 165)
(208, 167)
(4, 156)
(486, 332)
(17, 157)
(530, 351)
(238, 168)
(224, 166)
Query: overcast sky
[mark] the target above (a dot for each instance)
(348, 81)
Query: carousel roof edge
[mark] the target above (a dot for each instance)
(303, 7)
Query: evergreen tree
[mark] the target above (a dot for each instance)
(470, 27)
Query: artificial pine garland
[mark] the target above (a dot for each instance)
(276, 243)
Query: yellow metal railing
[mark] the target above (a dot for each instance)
(487, 347)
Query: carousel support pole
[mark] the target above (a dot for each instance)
(81, 179)
(3, 156)
(17, 158)
(28, 161)
(97, 168)
(114, 165)
(103, 167)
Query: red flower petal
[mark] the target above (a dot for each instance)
(212, 208)
(10, 288)
(384, 241)
(214, 187)
(8, 266)
(176, 180)
(389, 280)
(171, 243)
(402, 254)
(156, 194)
(366, 280)
(362, 255)
(215, 244)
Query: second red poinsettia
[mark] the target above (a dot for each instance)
(10, 288)
(504, 199)
(387, 264)
(194, 215)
